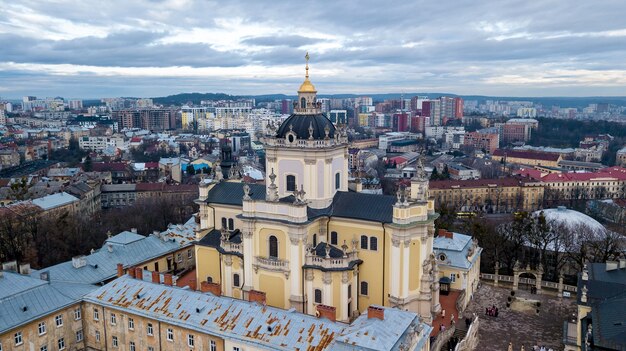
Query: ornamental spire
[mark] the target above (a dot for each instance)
(306, 57)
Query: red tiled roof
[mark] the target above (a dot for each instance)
(618, 173)
(152, 165)
(531, 155)
(135, 140)
(530, 173)
(109, 166)
(477, 183)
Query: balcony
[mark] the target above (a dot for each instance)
(271, 264)
(232, 247)
(331, 262)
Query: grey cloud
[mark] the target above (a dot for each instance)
(286, 40)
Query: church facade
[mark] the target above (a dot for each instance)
(304, 240)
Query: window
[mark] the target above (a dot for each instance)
(97, 336)
(150, 330)
(189, 253)
(236, 280)
(235, 348)
(42, 328)
(77, 314)
(113, 319)
(273, 247)
(318, 296)
(132, 346)
(212, 344)
(43, 348)
(364, 242)
(131, 324)
(452, 277)
(190, 341)
(333, 238)
(170, 334)
(231, 224)
(314, 240)
(150, 348)
(209, 279)
(79, 335)
(302, 105)
(337, 181)
(18, 338)
(179, 257)
(59, 320)
(61, 344)
(291, 183)
(349, 293)
(364, 288)
(115, 343)
(224, 222)
(373, 243)
(156, 266)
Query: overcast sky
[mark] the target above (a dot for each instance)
(154, 48)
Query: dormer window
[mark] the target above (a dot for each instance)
(442, 257)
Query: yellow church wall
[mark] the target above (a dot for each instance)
(237, 268)
(262, 241)
(227, 212)
(415, 261)
(274, 285)
(208, 264)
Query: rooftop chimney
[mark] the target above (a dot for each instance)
(445, 234)
(256, 296)
(611, 265)
(120, 269)
(10, 266)
(622, 263)
(167, 279)
(79, 261)
(328, 312)
(138, 273)
(156, 277)
(25, 268)
(193, 285)
(376, 312)
(133, 230)
(109, 247)
(212, 288)
(131, 271)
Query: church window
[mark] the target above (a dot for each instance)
(302, 103)
(236, 280)
(333, 238)
(291, 183)
(273, 247)
(337, 181)
(318, 296)
(314, 240)
(364, 288)
(364, 240)
(373, 243)
(209, 279)
(231, 224)
(224, 222)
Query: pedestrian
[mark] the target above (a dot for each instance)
(443, 313)
(452, 318)
(496, 313)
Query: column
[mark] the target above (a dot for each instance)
(345, 281)
(405, 268)
(394, 272)
(309, 291)
(355, 289)
(228, 275)
(295, 266)
(328, 289)
(495, 276)
(248, 258)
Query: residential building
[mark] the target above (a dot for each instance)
(529, 158)
(482, 141)
(462, 172)
(620, 158)
(9, 158)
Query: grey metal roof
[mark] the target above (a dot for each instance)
(247, 322)
(102, 264)
(25, 298)
(231, 193)
(124, 238)
(55, 200)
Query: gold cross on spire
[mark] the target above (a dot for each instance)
(306, 57)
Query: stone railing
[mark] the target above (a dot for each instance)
(470, 341)
(442, 338)
(341, 262)
(271, 264)
(316, 143)
(232, 247)
(528, 281)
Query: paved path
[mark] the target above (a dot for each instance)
(521, 328)
(448, 303)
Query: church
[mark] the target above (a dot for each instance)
(304, 240)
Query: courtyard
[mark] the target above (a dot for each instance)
(520, 325)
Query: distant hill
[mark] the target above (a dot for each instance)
(579, 102)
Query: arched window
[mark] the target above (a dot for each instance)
(337, 181)
(302, 103)
(209, 279)
(224, 222)
(291, 183)
(373, 243)
(364, 242)
(236, 280)
(231, 224)
(318, 296)
(364, 288)
(314, 240)
(273, 247)
(333, 238)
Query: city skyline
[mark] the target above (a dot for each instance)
(159, 48)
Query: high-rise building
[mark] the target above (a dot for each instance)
(458, 108)
(338, 116)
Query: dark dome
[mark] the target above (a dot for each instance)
(301, 123)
